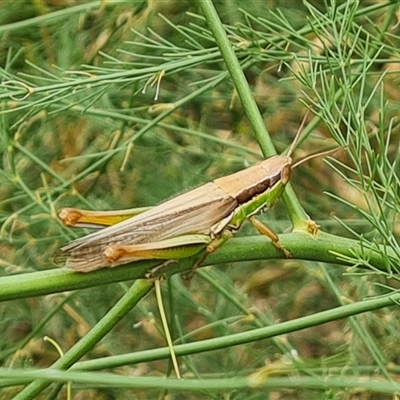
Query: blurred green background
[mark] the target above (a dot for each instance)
(103, 107)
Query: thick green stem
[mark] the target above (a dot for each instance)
(302, 246)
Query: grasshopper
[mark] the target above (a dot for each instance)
(201, 219)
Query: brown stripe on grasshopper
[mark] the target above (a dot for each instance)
(244, 185)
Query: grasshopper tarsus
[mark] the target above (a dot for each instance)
(187, 277)
(283, 249)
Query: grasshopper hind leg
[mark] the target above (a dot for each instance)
(156, 272)
(214, 245)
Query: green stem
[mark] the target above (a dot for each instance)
(245, 337)
(262, 379)
(303, 246)
(226, 341)
(238, 78)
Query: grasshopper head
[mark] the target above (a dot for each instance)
(286, 170)
(279, 168)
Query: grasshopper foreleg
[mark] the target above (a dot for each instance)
(264, 230)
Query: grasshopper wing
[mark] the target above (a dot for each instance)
(194, 212)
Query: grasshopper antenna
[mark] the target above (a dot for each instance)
(298, 133)
(296, 140)
(322, 154)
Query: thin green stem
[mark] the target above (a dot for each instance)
(239, 338)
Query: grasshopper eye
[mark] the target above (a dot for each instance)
(286, 173)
